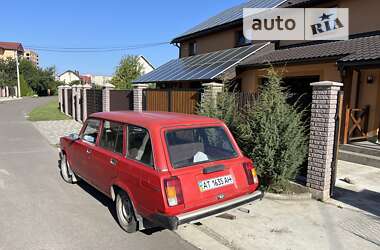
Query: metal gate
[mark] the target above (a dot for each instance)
(121, 100)
(171, 100)
(94, 101)
(70, 101)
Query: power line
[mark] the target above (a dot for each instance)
(93, 49)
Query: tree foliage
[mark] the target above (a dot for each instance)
(40, 80)
(273, 135)
(25, 89)
(270, 131)
(128, 70)
(8, 73)
(224, 107)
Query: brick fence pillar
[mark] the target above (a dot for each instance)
(84, 101)
(322, 131)
(65, 89)
(6, 91)
(211, 90)
(106, 96)
(60, 89)
(138, 96)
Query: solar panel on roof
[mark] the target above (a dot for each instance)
(200, 67)
(232, 14)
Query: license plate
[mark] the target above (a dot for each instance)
(215, 183)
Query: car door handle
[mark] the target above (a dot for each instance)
(88, 151)
(113, 162)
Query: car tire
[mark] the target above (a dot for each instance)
(125, 213)
(65, 170)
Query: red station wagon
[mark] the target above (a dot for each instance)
(164, 168)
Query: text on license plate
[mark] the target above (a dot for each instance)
(215, 183)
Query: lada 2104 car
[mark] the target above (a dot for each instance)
(163, 168)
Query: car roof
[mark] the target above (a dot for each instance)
(154, 119)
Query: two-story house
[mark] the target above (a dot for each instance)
(217, 46)
(10, 50)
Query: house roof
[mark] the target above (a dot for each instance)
(146, 60)
(11, 46)
(229, 16)
(203, 67)
(344, 52)
(70, 71)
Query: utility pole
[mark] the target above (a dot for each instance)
(18, 77)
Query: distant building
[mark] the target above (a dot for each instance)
(147, 66)
(32, 56)
(10, 49)
(99, 80)
(85, 79)
(69, 76)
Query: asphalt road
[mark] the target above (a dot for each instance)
(40, 211)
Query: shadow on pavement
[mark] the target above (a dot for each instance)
(366, 200)
(107, 202)
(104, 200)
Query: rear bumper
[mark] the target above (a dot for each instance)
(172, 222)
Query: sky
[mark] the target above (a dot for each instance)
(102, 24)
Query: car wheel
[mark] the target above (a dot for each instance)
(65, 170)
(125, 213)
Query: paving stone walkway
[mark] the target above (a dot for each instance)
(53, 130)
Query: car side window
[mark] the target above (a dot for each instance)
(91, 132)
(112, 137)
(139, 145)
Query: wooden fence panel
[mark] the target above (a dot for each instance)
(121, 100)
(184, 101)
(70, 101)
(94, 101)
(156, 100)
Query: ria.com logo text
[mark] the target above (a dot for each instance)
(296, 24)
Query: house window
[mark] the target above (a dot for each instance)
(192, 48)
(240, 39)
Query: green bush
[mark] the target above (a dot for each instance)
(270, 131)
(224, 107)
(273, 135)
(24, 87)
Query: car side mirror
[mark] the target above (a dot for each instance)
(74, 137)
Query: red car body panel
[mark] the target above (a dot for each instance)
(145, 185)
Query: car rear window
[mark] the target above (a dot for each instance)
(191, 146)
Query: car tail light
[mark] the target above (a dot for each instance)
(173, 191)
(250, 172)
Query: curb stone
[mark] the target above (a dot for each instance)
(287, 197)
